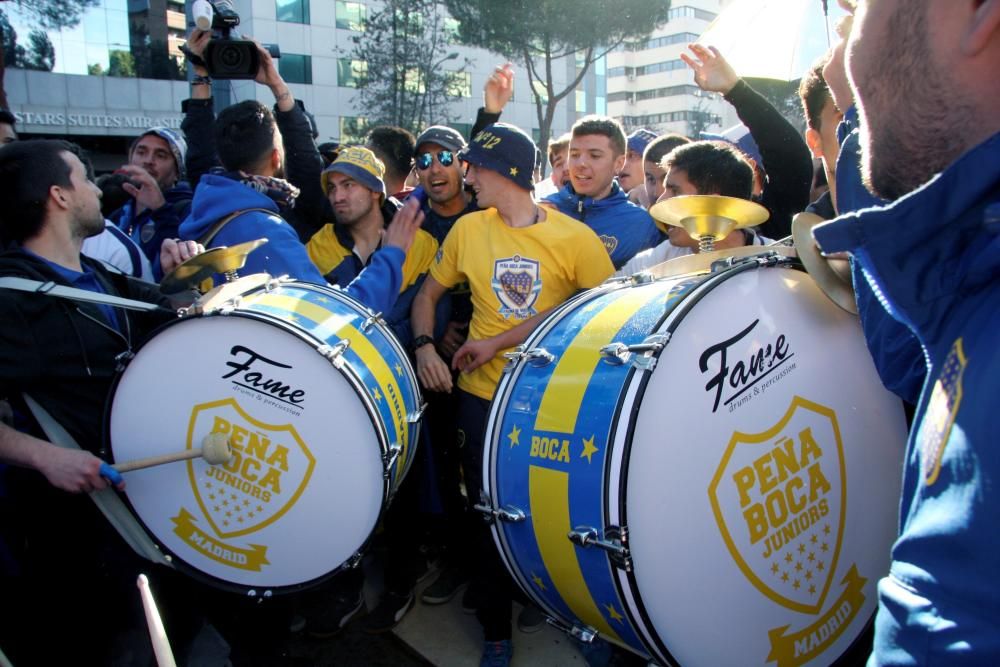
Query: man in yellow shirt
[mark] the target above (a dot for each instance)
(520, 261)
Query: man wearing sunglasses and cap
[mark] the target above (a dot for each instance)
(520, 261)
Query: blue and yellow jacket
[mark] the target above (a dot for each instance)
(331, 250)
(624, 228)
(932, 259)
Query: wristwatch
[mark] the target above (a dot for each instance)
(420, 341)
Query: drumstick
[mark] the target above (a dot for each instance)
(215, 449)
(157, 635)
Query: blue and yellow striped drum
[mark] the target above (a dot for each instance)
(703, 469)
(321, 407)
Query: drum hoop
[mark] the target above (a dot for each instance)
(350, 376)
(625, 582)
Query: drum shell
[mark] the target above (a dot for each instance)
(658, 448)
(317, 392)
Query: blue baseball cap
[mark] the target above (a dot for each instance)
(505, 149)
(741, 137)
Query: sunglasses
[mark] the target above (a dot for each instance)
(424, 160)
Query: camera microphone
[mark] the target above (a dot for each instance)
(203, 13)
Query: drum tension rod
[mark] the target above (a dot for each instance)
(536, 356)
(615, 543)
(390, 458)
(585, 634)
(639, 354)
(334, 353)
(372, 321)
(507, 513)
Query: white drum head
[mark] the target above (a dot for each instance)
(758, 525)
(305, 488)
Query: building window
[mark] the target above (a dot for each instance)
(351, 73)
(350, 16)
(667, 66)
(295, 68)
(353, 129)
(293, 11)
(459, 84)
(581, 101)
(600, 106)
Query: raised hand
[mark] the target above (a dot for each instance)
(712, 72)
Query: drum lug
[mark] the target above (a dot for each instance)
(389, 459)
(507, 513)
(121, 360)
(536, 356)
(334, 353)
(355, 560)
(615, 542)
(372, 321)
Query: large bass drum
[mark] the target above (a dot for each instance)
(702, 469)
(321, 407)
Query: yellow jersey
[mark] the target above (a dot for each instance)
(515, 273)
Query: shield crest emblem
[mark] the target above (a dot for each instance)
(270, 468)
(610, 243)
(779, 499)
(517, 285)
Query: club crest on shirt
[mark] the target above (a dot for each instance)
(941, 411)
(517, 285)
(610, 243)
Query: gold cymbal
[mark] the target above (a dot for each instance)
(224, 259)
(833, 276)
(712, 216)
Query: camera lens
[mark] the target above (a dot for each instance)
(234, 57)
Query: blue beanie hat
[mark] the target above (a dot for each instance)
(505, 149)
(638, 140)
(174, 139)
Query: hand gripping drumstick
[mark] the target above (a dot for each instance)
(157, 635)
(215, 449)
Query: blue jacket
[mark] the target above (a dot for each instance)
(625, 229)
(895, 352)
(150, 228)
(218, 196)
(933, 258)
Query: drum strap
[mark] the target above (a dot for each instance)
(207, 237)
(111, 506)
(50, 288)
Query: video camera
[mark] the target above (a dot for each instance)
(225, 57)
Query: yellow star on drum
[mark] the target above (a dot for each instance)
(613, 613)
(513, 171)
(376, 395)
(538, 581)
(514, 435)
(589, 449)
(399, 370)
